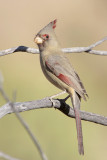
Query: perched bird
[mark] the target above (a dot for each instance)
(58, 70)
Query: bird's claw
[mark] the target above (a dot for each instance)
(52, 100)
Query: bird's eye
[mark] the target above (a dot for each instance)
(47, 36)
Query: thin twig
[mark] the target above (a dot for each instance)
(65, 50)
(6, 156)
(24, 124)
(30, 133)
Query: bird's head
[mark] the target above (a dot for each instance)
(46, 37)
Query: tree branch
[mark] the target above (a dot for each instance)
(65, 50)
(59, 104)
(5, 156)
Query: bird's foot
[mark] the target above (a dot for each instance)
(52, 100)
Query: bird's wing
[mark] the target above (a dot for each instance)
(61, 67)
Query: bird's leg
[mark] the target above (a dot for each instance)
(58, 94)
(51, 98)
(66, 98)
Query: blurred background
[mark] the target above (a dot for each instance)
(80, 23)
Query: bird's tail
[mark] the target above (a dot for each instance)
(76, 104)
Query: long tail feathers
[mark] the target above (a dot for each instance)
(76, 105)
(79, 131)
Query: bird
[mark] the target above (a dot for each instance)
(58, 69)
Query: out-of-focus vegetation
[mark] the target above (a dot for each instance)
(80, 23)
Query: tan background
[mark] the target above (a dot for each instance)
(80, 23)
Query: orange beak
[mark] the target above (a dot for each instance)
(38, 40)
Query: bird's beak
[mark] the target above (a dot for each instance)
(38, 40)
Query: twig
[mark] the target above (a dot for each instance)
(7, 157)
(30, 133)
(24, 124)
(59, 104)
(65, 50)
(87, 49)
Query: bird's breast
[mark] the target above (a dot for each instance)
(49, 75)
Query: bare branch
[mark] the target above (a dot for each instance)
(86, 49)
(7, 157)
(101, 53)
(65, 50)
(19, 49)
(24, 124)
(59, 104)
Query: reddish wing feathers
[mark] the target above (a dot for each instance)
(66, 79)
(62, 77)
